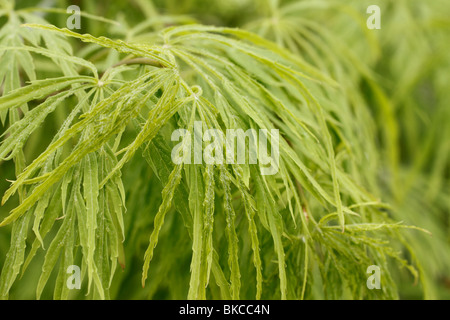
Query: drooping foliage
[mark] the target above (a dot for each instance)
(88, 119)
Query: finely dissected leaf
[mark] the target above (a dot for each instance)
(231, 236)
(82, 13)
(358, 227)
(39, 89)
(167, 195)
(54, 55)
(167, 106)
(250, 208)
(276, 227)
(208, 224)
(196, 186)
(90, 188)
(21, 130)
(118, 45)
(84, 148)
(52, 212)
(61, 240)
(15, 256)
(61, 288)
(82, 217)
